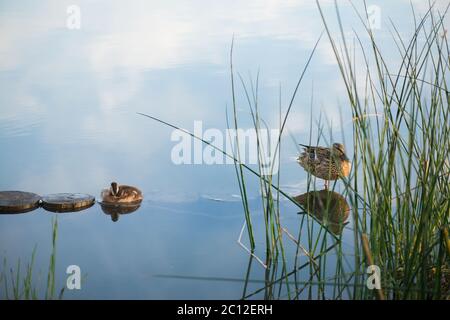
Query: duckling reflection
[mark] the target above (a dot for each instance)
(116, 210)
(327, 206)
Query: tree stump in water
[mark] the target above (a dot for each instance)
(67, 202)
(18, 201)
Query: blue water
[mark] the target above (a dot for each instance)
(68, 123)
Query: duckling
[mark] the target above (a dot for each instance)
(121, 194)
(325, 163)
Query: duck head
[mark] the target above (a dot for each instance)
(339, 147)
(340, 150)
(114, 189)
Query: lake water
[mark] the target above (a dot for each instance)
(69, 99)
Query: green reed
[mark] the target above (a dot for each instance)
(399, 188)
(24, 286)
(400, 184)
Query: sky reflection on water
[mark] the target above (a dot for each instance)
(68, 123)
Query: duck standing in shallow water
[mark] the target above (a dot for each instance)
(121, 194)
(325, 163)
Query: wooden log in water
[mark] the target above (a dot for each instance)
(18, 201)
(67, 202)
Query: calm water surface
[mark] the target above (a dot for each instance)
(68, 123)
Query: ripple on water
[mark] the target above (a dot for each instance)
(18, 126)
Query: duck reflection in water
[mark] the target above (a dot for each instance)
(116, 210)
(328, 207)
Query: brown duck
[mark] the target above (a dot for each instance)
(121, 194)
(325, 163)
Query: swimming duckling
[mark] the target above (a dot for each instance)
(121, 194)
(325, 163)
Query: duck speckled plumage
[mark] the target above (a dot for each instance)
(325, 163)
(121, 194)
